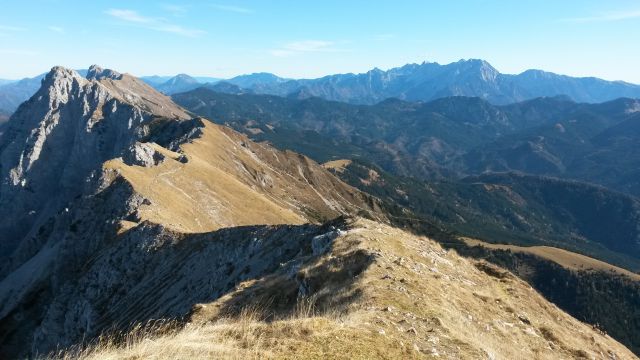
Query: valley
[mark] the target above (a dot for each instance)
(567, 259)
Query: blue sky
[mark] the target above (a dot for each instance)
(314, 38)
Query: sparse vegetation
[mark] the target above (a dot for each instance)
(517, 209)
(414, 300)
(247, 335)
(605, 299)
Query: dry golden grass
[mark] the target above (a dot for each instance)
(132, 90)
(201, 195)
(337, 165)
(567, 259)
(414, 300)
(246, 336)
(230, 181)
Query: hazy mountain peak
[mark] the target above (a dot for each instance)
(429, 80)
(182, 78)
(178, 83)
(256, 79)
(487, 71)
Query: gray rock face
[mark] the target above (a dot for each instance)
(95, 72)
(57, 141)
(59, 209)
(320, 244)
(153, 273)
(142, 154)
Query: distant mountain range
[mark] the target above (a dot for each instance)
(429, 81)
(411, 82)
(446, 137)
(13, 94)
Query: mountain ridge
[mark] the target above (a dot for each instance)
(428, 81)
(97, 164)
(448, 137)
(413, 82)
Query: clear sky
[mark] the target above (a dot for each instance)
(299, 38)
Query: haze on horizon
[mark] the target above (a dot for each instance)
(292, 39)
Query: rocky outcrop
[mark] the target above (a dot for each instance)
(95, 72)
(142, 155)
(57, 141)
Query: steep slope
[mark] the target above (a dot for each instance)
(85, 160)
(58, 139)
(222, 179)
(514, 208)
(366, 290)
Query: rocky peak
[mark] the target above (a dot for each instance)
(59, 82)
(62, 135)
(142, 154)
(487, 72)
(58, 73)
(95, 72)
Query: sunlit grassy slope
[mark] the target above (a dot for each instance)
(376, 292)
